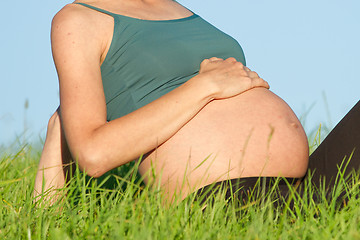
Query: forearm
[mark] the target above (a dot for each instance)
(99, 146)
(122, 140)
(55, 161)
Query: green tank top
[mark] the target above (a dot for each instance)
(149, 58)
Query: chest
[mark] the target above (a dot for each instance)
(148, 59)
(169, 48)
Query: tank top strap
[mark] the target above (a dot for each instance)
(96, 9)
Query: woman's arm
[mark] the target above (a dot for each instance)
(99, 146)
(55, 162)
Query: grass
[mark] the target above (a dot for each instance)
(118, 206)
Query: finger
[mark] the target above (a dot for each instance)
(263, 83)
(252, 74)
(266, 84)
(247, 69)
(231, 59)
(215, 59)
(259, 82)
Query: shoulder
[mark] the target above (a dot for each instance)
(75, 26)
(71, 17)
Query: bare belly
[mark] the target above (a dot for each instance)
(253, 134)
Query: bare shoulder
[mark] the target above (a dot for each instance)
(72, 17)
(76, 28)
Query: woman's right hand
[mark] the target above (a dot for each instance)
(229, 77)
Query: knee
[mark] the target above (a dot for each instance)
(54, 120)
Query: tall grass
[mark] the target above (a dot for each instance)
(119, 206)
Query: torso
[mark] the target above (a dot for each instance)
(253, 134)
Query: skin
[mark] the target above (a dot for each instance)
(173, 130)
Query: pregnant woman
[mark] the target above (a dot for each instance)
(153, 79)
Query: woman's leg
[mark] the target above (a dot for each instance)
(250, 190)
(55, 162)
(342, 143)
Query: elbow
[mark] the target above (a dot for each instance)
(92, 162)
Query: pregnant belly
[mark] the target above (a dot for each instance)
(253, 134)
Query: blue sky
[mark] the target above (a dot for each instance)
(307, 50)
